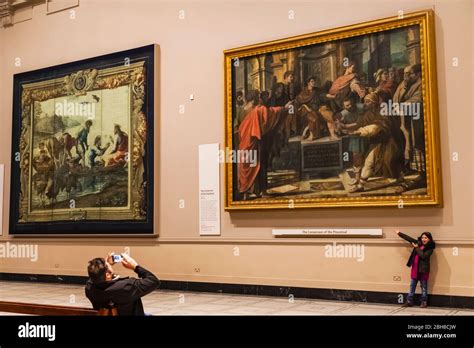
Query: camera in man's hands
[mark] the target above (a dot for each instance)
(117, 258)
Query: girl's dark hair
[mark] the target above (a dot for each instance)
(431, 244)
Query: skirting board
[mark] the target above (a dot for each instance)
(264, 290)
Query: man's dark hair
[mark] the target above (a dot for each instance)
(97, 270)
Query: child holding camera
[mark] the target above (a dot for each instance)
(419, 261)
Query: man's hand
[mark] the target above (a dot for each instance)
(109, 258)
(128, 262)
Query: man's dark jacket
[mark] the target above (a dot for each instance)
(123, 293)
(425, 254)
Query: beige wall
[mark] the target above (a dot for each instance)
(192, 62)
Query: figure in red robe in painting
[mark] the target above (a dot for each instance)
(346, 85)
(259, 121)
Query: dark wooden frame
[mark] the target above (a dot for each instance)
(87, 227)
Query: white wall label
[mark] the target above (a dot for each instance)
(318, 232)
(209, 194)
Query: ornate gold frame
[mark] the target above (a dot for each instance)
(132, 75)
(425, 19)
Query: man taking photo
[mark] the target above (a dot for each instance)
(105, 289)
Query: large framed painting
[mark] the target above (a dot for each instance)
(83, 149)
(345, 117)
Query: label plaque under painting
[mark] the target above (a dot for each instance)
(323, 232)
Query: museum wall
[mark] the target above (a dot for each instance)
(191, 55)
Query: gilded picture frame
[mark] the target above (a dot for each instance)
(83, 147)
(332, 158)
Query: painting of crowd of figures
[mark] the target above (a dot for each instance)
(338, 121)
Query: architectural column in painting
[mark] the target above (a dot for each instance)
(267, 73)
(299, 72)
(357, 55)
(413, 45)
(253, 74)
(279, 66)
(379, 54)
(240, 74)
(283, 62)
(320, 62)
(341, 54)
(261, 72)
(330, 62)
(291, 60)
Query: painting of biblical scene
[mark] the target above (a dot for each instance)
(339, 120)
(84, 147)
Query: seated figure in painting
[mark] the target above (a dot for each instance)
(386, 143)
(118, 156)
(314, 113)
(259, 121)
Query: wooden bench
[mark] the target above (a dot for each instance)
(43, 309)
